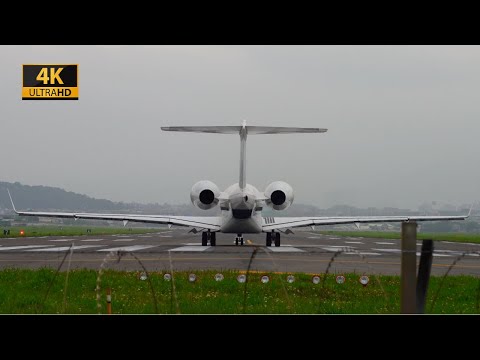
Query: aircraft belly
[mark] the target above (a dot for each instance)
(241, 226)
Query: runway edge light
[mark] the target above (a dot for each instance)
(364, 280)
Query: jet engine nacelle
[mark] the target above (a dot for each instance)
(279, 195)
(204, 194)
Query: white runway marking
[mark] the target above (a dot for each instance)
(146, 236)
(353, 242)
(452, 252)
(23, 247)
(92, 240)
(467, 254)
(123, 240)
(284, 248)
(65, 248)
(384, 243)
(314, 237)
(337, 248)
(191, 248)
(165, 235)
(340, 246)
(387, 250)
(362, 253)
(129, 248)
(435, 254)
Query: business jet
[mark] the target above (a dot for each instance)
(241, 204)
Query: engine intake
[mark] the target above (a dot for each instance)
(204, 195)
(279, 195)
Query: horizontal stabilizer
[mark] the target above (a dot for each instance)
(250, 130)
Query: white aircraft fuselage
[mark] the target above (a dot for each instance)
(242, 212)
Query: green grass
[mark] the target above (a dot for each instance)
(71, 231)
(25, 291)
(457, 237)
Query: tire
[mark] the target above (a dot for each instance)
(277, 239)
(236, 241)
(241, 241)
(269, 239)
(204, 239)
(213, 239)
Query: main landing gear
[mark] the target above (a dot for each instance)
(209, 236)
(238, 239)
(273, 236)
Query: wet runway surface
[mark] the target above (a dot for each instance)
(175, 248)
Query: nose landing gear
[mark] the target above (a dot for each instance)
(238, 239)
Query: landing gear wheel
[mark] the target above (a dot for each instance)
(213, 239)
(277, 239)
(236, 241)
(241, 241)
(204, 239)
(269, 239)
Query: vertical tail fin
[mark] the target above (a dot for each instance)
(243, 131)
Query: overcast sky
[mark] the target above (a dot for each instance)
(403, 122)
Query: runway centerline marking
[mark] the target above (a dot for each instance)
(191, 248)
(384, 243)
(65, 248)
(129, 248)
(354, 242)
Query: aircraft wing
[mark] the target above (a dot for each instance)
(276, 223)
(205, 222)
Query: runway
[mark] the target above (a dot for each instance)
(176, 249)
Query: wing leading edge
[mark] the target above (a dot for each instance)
(291, 222)
(205, 222)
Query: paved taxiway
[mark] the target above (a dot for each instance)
(303, 251)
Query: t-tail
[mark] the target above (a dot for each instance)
(243, 131)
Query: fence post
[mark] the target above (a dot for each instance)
(408, 268)
(424, 274)
(109, 301)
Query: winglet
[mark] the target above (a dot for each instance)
(13, 205)
(470, 211)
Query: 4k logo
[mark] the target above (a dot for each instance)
(50, 82)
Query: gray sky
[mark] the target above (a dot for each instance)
(403, 121)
